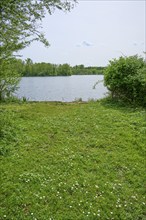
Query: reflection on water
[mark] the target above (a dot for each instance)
(61, 88)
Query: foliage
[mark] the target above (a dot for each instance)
(126, 79)
(19, 26)
(48, 69)
(20, 22)
(72, 161)
(64, 69)
(90, 70)
(9, 77)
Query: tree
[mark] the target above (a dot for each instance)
(64, 70)
(9, 77)
(126, 79)
(20, 22)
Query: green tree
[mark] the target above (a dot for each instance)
(20, 22)
(64, 70)
(126, 79)
(9, 77)
(28, 67)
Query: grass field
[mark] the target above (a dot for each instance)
(75, 161)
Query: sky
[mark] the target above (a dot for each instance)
(93, 33)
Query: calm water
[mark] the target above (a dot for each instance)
(63, 88)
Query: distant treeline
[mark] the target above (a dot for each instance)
(28, 68)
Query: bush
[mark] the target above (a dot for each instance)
(9, 78)
(126, 79)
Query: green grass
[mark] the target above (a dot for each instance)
(72, 161)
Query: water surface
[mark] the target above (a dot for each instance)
(61, 88)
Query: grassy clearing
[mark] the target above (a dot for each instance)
(72, 161)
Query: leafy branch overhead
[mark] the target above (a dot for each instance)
(20, 22)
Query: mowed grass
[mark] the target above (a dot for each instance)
(72, 161)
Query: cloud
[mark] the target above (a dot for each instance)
(86, 44)
(135, 44)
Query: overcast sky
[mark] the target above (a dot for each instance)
(93, 33)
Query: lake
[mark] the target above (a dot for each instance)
(61, 88)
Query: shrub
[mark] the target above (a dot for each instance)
(9, 78)
(126, 79)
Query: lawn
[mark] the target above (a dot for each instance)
(72, 161)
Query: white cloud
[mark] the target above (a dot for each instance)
(87, 44)
(84, 44)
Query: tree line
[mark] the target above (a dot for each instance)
(28, 68)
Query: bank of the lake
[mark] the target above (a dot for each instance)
(72, 161)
